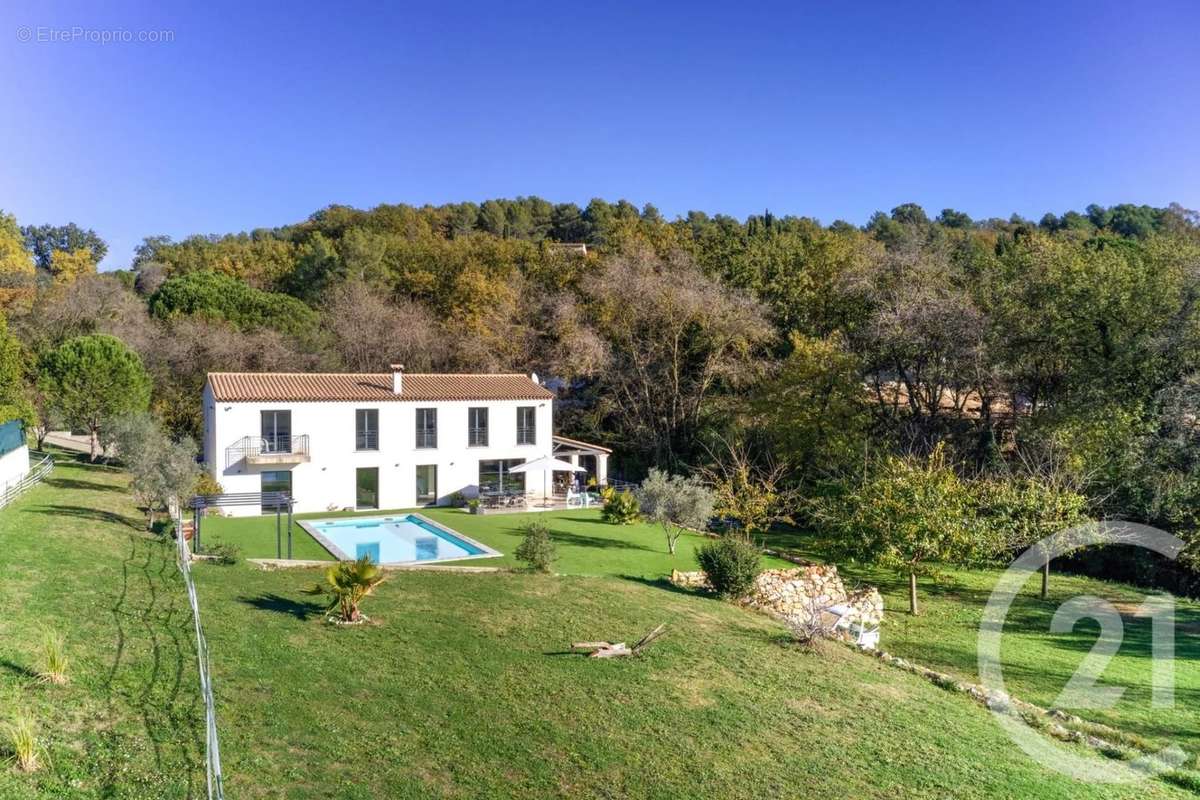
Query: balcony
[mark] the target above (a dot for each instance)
(258, 450)
(426, 439)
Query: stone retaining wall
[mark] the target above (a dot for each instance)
(798, 592)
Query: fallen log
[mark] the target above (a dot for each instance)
(613, 649)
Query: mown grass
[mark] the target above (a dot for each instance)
(1037, 664)
(461, 687)
(586, 545)
(74, 558)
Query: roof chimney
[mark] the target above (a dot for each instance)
(397, 378)
(533, 377)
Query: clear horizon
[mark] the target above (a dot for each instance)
(257, 118)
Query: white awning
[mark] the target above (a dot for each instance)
(547, 464)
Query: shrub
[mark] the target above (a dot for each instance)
(458, 500)
(224, 553)
(620, 508)
(731, 564)
(207, 484)
(164, 527)
(23, 743)
(537, 549)
(54, 650)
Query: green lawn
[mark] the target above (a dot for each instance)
(1037, 664)
(129, 724)
(461, 687)
(586, 545)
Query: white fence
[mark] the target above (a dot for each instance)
(37, 473)
(212, 747)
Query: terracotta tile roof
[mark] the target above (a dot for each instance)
(568, 442)
(338, 386)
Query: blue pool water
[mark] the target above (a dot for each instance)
(390, 540)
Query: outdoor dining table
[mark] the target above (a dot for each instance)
(503, 499)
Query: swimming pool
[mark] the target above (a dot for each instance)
(399, 539)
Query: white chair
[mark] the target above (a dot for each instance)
(861, 635)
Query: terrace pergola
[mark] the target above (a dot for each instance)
(591, 457)
(279, 501)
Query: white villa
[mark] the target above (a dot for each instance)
(337, 441)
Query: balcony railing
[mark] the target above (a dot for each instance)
(426, 440)
(268, 450)
(366, 440)
(526, 435)
(477, 437)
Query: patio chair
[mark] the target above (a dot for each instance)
(863, 636)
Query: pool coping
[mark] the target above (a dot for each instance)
(341, 555)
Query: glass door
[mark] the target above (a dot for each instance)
(427, 484)
(366, 487)
(277, 431)
(279, 481)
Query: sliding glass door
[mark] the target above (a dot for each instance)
(427, 484)
(366, 494)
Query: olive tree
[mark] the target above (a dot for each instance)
(161, 471)
(676, 503)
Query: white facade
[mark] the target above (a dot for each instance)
(327, 479)
(14, 466)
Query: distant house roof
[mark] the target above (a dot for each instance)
(339, 386)
(570, 247)
(568, 444)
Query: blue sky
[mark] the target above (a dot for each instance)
(258, 116)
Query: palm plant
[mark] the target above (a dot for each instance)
(347, 584)
(55, 652)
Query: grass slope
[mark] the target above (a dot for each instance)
(462, 689)
(129, 724)
(1038, 664)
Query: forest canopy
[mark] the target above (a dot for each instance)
(1070, 344)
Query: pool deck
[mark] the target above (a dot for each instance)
(269, 564)
(341, 555)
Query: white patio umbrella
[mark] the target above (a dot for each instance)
(546, 465)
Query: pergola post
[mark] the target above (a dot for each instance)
(602, 469)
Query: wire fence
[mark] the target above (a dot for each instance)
(37, 473)
(212, 746)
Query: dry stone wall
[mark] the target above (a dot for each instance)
(798, 592)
